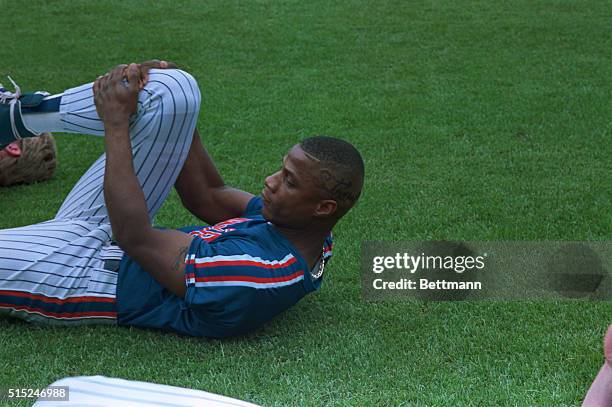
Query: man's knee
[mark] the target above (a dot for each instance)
(177, 88)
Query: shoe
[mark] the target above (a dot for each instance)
(11, 122)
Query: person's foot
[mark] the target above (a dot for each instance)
(11, 122)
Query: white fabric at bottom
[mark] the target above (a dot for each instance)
(100, 391)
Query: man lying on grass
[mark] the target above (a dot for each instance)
(263, 254)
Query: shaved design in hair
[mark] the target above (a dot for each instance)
(342, 169)
(339, 189)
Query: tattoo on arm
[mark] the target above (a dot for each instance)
(180, 258)
(338, 188)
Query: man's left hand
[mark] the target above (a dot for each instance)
(116, 95)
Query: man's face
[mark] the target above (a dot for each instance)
(289, 196)
(12, 150)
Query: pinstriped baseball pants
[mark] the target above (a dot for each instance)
(53, 272)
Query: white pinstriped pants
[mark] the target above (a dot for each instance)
(53, 271)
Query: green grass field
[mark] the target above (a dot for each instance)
(477, 121)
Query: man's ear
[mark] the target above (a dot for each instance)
(326, 208)
(13, 149)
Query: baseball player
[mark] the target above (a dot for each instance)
(100, 260)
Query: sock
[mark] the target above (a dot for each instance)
(45, 117)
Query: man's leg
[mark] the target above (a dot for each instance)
(61, 261)
(161, 135)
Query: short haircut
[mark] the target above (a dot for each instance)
(344, 165)
(37, 162)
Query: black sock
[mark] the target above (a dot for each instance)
(46, 106)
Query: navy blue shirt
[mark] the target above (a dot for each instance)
(239, 274)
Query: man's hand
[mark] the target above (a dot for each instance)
(146, 66)
(116, 94)
(152, 64)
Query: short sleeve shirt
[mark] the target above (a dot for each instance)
(239, 274)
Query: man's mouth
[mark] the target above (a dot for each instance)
(264, 196)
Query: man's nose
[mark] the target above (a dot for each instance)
(271, 182)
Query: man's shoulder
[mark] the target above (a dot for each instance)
(254, 206)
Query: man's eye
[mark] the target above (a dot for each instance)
(289, 183)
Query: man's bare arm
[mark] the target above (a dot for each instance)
(199, 185)
(160, 252)
(202, 190)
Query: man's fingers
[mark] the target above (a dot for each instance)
(159, 64)
(133, 76)
(145, 66)
(120, 68)
(169, 65)
(113, 72)
(102, 80)
(117, 73)
(151, 62)
(120, 72)
(97, 95)
(154, 64)
(96, 86)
